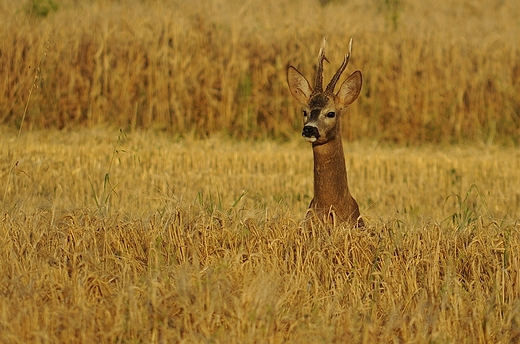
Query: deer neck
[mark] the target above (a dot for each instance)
(330, 174)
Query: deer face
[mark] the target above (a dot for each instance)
(321, 118)
(323, 109)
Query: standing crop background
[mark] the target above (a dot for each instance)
(432, 72)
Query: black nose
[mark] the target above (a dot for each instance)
(310, 131)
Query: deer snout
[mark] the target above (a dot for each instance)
(310, 133)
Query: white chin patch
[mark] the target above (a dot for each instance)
(310, 139)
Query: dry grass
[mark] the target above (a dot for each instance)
(433, 72)
(143, 236)
(113, 237)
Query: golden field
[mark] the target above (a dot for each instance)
(184, 225)
(109, 236)
(433, 72)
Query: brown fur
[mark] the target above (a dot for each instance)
(323, 110)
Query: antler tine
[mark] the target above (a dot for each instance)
(318, 85)
(335, 78)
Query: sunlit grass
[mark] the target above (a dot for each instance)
(184, 226)
(199, 240)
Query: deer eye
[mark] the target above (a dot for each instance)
(331, 114)
(304, 113)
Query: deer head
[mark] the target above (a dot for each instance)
(323, 109)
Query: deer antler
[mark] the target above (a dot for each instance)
(335, 78)
(318, 85)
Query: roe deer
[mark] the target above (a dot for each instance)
(321, 118)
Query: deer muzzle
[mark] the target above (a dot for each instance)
(310, 133)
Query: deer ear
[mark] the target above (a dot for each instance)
(350, 88)
(298, 85)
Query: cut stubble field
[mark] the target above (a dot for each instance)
(143, 237)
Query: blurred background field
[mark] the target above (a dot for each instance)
(433, 72)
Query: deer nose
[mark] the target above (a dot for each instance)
(310, 131)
